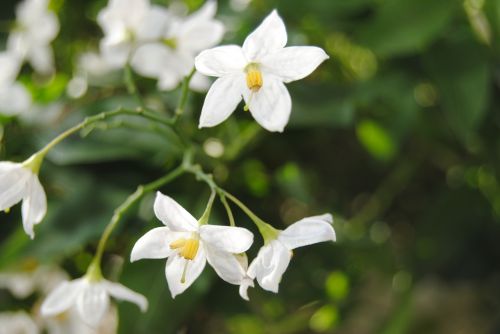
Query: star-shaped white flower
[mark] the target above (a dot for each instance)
(257, 71)
(188, 245)
(14, 98)
(274, 257)
(171, 57)
(36, 28)
(18, 183)
(90, 297)
(127, 23)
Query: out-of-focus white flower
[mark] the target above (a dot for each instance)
(17, 323)
(36, 28)
(274, 257)
(188, 245)
(69, 322)
(90, 297)
(126, 24)
(19, 182)
(171, 57)
(14, 98)
(31, 277)
(257, 71)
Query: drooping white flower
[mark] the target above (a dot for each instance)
(17, 322)
(19, 182)
(90, 297)
(188, 245)
(170, 58)
(274, 257)
(257, 72)
(36, 28)
(127, 23)
(70, 322)
(14, 98)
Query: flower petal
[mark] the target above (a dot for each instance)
(200, 35)
(42, 59)
(62, 298)
(244, 285)
(92, 303)
(269, 265)
(308, 231)
(294, 63)
(34, 205)
(154, 23)
(269, 36)
(14, 99)
(271, 105)
(10, 65)
(221, 100)
(225, 264)
(121, 292)
(155, 244)
(173, 215)
(151, 59)
(227, 238)
(221, 60)
(13, 179)
(175, 270)
(115, 51)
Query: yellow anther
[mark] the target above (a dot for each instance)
(7, 210)
(190, 249)
(179, 243)
(254, 77)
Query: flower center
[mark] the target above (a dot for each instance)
(188, 248)
(170, 42)
(254, 77)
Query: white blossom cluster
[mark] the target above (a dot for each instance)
(29, 41)
(158, 43)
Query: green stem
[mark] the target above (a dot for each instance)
(131, 86)
(184, 94)
(268, 232)
(206, 214)
(101, 117)
(131, 200)
(228, 209)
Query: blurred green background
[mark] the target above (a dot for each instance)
(397, 134)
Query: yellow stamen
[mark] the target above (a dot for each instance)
(254, 77)
(188, 248)
(7, 210)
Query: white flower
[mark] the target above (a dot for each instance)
(171, 57)
(70, 322)
(188, 245)
(126, 23)
(17, 322)
(36, 28)
(18, 182)
(14, 98)
(31, 277)
(273, 258)
(257, 72)
(245, 280)
(90, 297)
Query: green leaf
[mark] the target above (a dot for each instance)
(406, 26)
(461, 73)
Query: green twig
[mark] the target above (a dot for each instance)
(129, 202)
